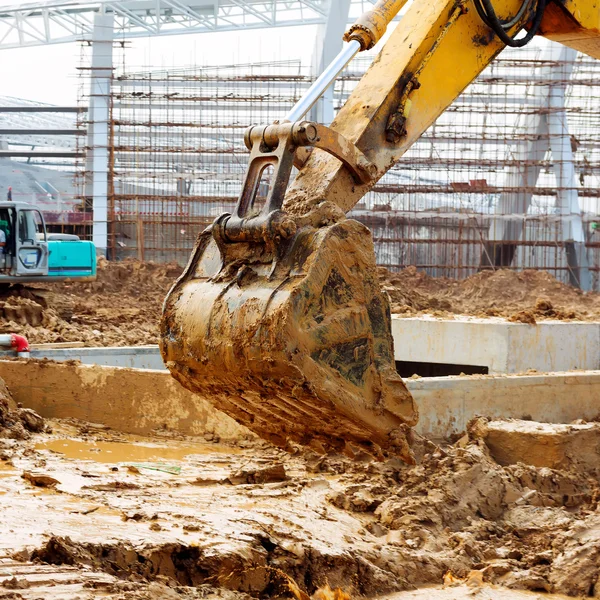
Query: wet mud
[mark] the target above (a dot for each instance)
(17, 422)
(120, 516)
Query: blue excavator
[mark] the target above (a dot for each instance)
(32, 255)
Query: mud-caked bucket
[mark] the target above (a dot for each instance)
(297, 347)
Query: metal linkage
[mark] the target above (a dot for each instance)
(275, 146)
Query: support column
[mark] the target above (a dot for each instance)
(98, 140)
(545, 130)
(512, 206)
(573, 235)
(327, 46)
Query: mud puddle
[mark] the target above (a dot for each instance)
(120, 452)
(7, 470)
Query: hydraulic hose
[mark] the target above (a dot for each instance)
(488, 15)
(505, 24)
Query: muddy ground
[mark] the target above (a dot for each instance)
(123, 306)
(89, 512)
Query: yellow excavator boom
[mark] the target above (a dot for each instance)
(278, 318)
(438, 48)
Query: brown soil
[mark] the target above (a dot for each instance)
(524, 296)
(16, 422)
(121, 307)
(251, 520)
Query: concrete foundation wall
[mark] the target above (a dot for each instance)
(134, 357)
(141, 401)
(446, 404)
(501, 346)
(132, 401)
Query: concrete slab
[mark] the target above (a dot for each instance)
(141, 401)
(497, 344)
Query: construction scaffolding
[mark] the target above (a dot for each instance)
(507, 177)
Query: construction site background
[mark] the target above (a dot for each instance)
(492, 169)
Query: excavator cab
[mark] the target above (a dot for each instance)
(32, 255)
(278, 318)
(5, 254)
(25, 252)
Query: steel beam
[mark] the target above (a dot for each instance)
(59, 21)
(40, 154)
(42, 109)
(33, 131)
(97, 158)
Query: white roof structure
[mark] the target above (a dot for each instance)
(36, 129)
(59, 21)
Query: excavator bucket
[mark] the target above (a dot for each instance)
(296, 346)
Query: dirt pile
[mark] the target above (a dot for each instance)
(524, 296)
(459, 510)
(122, 307)
(15, 422)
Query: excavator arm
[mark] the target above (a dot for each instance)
(438, 48)
(278, 318)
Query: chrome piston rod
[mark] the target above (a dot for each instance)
(329, 75)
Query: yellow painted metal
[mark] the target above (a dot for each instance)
(576, 23)
(445, 58)
(585, 12)
(465, 50)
